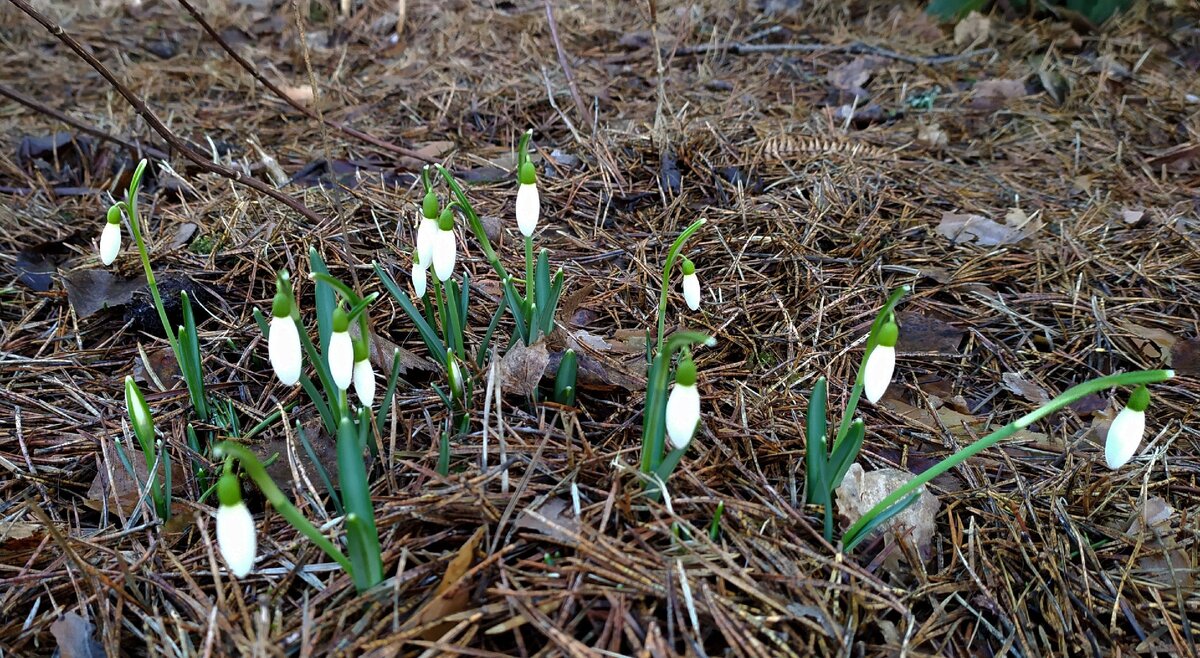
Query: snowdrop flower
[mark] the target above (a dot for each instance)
(1125, 433)
(881, 362)
(419, 277)
(283, 341)
(428, 228)
(529, 205)
(445, 249)
(364, 374)
(110, 237)
(341, 351)
(683, 406)
(235, 528)
(691, 285)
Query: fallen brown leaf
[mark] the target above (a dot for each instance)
(974, 28)
(860, 491)
(522, 368)
(89, 291)
(960, 228)
(1025, 388)
(1155, 344)
(75, 637)
(450, 596)
(993, 94)
(925, 334)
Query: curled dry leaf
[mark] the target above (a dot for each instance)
(975, 28)
(925, 334)
(1130, 216)
(75, 637)
(860, 491)
(1185, 357)
(89, 291)
(452, 595)
(1155, 344)
(553, 519)
(994, 94)
(1025, 388)
(960, 228)
(1165, 562)
(522, 368)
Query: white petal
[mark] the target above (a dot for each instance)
(425, 234)
(529, 208)
(691, 291)
(420, 279)
(1124, 436)
(341, 359)
(683, 414)
(445, 251)
(283, 346)
(878, 372)
(235, 538)
(110, 243)
(364, 382)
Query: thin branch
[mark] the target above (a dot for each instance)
(307, 111)
(562, 61)
(141, 108)
(37, 106)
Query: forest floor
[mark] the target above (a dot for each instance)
(1033, 178)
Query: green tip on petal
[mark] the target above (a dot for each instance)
(527, 174)
(416, 255)
(889, 333)
(446, 221)
(689, 268)
(685, 375)
(341, 321)
(1139, 399)
(360, 350)
(281, 307)
(429, 206)
(114, 214)
(229, 492)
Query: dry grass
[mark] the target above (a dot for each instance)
(1032, 556)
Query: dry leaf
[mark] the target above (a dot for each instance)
(89, 291)
(554, 519)
(1185, 357)
(1132, 216)
(851, 76)
(920, 333)
(1166, 564)
(302, 94)
(522, 368)
(1155, 515)
(974, 28)
(183, 234)
(323, 445)
(432, 151)
(382, 351)
(1154, 343)
(992, 94)
(960, 228)
(451, 595)
(860, 491)
(493, 228)
(124, 490)
(592, 341)
(1025, 388)
(74, 635)
(932, 136)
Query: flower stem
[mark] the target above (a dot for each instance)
(1069, 396)
(266, 485)
(144, 255)
(666, 277)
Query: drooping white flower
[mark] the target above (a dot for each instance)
(881, 363)
(364, 375)
(691, 285)
(425, 234)
(445, 247)
(1126, 431)
(110, 237)
(683, 406)
(236, 538)
(419, 276)
(341, 351)
(283, 341)
(529, 205)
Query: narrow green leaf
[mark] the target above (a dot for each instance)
(322, 472)
(564, 379)
(432, 342)
(362, 539)
(325, 301)
(552, 304)
(385, 406)
(484, 346)
(517, 308)
(443, 463)
(541, 288)
(846, 454)
(815, 454)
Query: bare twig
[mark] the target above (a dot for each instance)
(562, 61)
(37, 106)
(159, 127)
(307, 111)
